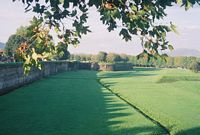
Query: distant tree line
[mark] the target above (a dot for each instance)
(191, 63)
(101, 57)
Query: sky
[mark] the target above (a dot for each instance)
(12, 16)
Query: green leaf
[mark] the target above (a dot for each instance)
(188, 5)
(74, 13)
(65, 3)
(171, 48)
(57, 30)
(115, 14)
(173, 28)
(134, 8)
(125, 34)
(179, 2)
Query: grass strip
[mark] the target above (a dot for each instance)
(135, 108)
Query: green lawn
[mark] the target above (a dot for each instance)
(170, 96)
(71, 103)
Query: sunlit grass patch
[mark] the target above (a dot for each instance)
(170, 96)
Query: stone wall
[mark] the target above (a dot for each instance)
(116, 67)
(88, 66)
(12, 76)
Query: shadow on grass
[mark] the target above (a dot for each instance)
(192, 131)
(125, 74)
(78, 106)
(172, 79)
(145, 69)
(136, 72)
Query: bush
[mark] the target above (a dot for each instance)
(194, 67)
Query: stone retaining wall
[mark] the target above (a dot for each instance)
(116, 67)
(12, 76)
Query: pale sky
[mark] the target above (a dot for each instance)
(12, 16)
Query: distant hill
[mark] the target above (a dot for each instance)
(2, 45)
(184, 52)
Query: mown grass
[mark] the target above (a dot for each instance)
(170, 96)
(71, 103)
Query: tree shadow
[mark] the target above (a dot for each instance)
(146, 69)
(192, 131)
(62, 106)
(136, 72)
(125, 74)
(116, 110)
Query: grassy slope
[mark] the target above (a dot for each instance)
(170, 96)
(71, 103)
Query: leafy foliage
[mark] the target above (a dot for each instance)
(62, 52)
(13, 43)
(113, 58)
(138, 17)
(101, 57)
(33, 43)
(195, 67)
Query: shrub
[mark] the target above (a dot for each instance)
(194, 67)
